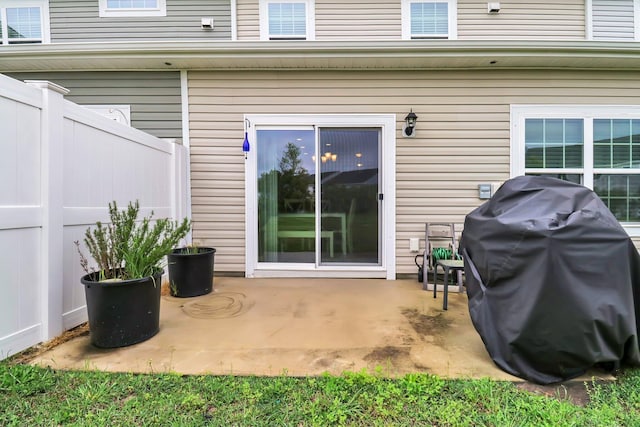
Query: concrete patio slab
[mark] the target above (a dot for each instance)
(300, 327)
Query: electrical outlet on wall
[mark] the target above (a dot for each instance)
(414, 244)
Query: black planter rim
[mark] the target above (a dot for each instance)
(202, 250)
(90, 279)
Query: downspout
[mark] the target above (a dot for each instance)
(184, 97)
(234, 20)
(588, 20)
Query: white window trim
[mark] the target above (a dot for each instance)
(519, 113)
(105, 12)
(44, 15)
(387, 123)
(310, 10)
(406, 18)
(589, 19)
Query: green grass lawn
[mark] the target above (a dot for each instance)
(32, 396)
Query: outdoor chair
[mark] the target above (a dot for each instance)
(441, 250)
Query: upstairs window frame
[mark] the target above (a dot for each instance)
(452, 15)
(45, 36)
(309, 20)
(160, 9)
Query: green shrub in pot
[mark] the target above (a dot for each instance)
(123, 291)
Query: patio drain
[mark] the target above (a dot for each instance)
(217, 306)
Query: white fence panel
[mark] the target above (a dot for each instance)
(20, 216)
(60, 165)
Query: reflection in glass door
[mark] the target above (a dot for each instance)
(339, 224)
(286, 195)
(349, 189)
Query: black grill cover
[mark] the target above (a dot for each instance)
(553, 280)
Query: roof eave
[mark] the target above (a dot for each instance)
(315, 55)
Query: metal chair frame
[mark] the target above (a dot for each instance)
(441, 235)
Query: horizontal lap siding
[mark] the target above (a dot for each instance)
(78, 20)
(335, 20)
(517, 19)
(462, 135)
(358, 20)
(248, 20)
(154, 97)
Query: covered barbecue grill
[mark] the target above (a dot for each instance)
(553, 280)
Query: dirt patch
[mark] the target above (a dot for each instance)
(575, 392)
(435, 325)
(388, 353)
(31, 353)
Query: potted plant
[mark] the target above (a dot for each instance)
(123, 293)
(191, 271)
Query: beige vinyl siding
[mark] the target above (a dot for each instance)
(358, 20)
(335, 20)
(248, 24)
(537, 19)
(463, 135)
(613, 19)
(154, 97)
(78, 20)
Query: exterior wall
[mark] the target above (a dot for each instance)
(463, 136)
(78, 20)
(358, 20)
(249, 19)
(564, 19)
(154, 96)
(378, 19)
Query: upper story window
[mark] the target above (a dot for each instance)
(287, 20)
(613, 20)
(596, 146)
(125, 8)
(24, 22)
(435, 19)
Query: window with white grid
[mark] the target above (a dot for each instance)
(287, 20)
(429, 19)
(23, 22)
(596, 146)
(126, 8)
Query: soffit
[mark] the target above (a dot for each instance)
(314, 55)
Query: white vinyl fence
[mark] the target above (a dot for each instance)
(60, 166)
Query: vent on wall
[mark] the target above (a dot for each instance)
(206, 23)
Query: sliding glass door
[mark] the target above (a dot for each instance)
(319, 195)
(349, 205)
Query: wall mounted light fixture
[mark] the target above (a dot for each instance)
(409, 125)
(245, 145)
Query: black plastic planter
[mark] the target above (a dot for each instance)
(122, 313)
(191, 274)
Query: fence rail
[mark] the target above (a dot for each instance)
(60, 166)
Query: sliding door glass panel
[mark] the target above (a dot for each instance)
(286, 195)
(349, 188)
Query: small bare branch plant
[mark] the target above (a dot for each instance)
(127, 249)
